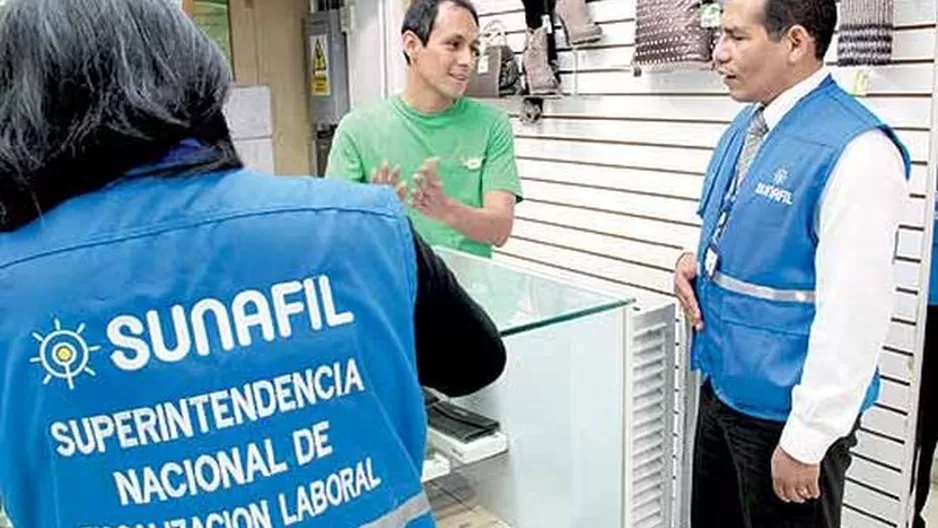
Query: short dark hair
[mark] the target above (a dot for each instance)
(421, 16)
(90, 89)
(818, 17)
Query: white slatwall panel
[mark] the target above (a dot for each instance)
(612, 175)
(649, 424)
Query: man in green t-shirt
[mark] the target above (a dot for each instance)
(453, 158)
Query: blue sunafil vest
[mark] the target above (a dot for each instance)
(933, 275)
(228, 350)
(758, 305)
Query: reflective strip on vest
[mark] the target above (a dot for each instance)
(762, 292)
(415, 508)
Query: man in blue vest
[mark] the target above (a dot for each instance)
(926, 436)
(187, 342)
(789, 289)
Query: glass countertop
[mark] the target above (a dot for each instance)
(518, 301)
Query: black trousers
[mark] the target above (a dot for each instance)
(534, 11)
(732, 481)
(927, 431)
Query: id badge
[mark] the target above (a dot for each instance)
(710, 261)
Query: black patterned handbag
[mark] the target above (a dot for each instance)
(498, 73)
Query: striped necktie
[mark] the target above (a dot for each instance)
(754, 136)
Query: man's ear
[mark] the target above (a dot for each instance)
(411, 44)
(801, 42)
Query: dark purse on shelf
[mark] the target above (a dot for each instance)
(498, 73)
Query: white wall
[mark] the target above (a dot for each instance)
(612, 178)
(249, 119)
(375, 34)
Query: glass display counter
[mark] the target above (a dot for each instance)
(585, 410)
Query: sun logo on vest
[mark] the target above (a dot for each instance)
(781, 175)
(775, 191)
(64, 354)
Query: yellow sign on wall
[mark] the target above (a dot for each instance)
(319, 48)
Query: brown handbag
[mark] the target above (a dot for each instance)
(498, 73)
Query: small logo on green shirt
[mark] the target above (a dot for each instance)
(473, 163)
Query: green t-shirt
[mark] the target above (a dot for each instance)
(474, 142)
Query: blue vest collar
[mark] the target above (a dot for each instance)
(188, 152)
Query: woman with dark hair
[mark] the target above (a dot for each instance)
(187, 342)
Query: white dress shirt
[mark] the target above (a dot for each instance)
(858, 219)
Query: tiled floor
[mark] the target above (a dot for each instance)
(458, 509)
(451, 513)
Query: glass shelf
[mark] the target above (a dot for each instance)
(518, 301)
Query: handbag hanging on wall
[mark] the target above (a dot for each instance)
(865, 33)
(675, 32)
(498, 73)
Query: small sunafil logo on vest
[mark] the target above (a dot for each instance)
(174, 334)
(775, 191)
(64, 354)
